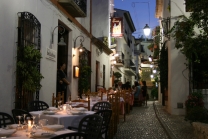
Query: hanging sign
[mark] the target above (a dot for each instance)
(117, 27)
(51, 54)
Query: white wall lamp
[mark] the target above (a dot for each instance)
(150, 58)
(61, 43)
(80, 48)
(166, 26)
(151, 76)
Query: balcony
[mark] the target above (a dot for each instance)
(76, 8)
(129, 72)
(119, 63)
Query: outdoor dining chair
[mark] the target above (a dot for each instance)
(74, 135)
(5, 119)
(37, 105)
(103, 105)
(90, 125)
(106, 114)
(58, 98)
(20, 112)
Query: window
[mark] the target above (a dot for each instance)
(29, 29)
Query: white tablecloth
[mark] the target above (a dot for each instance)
(61, 118)
(22, 134)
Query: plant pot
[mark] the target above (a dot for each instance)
(155, 46)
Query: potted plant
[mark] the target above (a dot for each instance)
(84, 77)
(154, 92)
(28, 76)
(118, 76)
(27, 69)
(156, 53)
(150, 47)
(195, 110)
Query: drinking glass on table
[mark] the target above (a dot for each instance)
(43, 122)
(59, 104)
(34, 126)
(24, 121)
(19, 122)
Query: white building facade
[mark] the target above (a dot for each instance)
(51, 14)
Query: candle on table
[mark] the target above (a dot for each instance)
(29, 125)
(64, 107)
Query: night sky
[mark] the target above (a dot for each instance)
(140, 13)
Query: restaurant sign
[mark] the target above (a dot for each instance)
(51, 54)
(117, 27)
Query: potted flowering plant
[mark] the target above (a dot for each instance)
(195, 99)
(195, 110)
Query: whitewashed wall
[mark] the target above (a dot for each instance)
(177, 83)
(100, 29)
(48, 16)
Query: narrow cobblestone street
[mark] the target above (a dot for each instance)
(142, 123)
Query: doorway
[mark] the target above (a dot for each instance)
(62, 55)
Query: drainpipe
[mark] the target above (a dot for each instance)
(91, 38)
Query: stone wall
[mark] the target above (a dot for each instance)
(200, 130)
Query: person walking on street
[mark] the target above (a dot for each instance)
(144, 92)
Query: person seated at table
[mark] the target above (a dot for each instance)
(127, 86)
(116, 87)
(111, 90)
(133, 89)
(120, 86)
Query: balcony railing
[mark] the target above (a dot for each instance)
(129, 71)
(76, 8)
(119, 63)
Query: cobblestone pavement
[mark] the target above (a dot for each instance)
(175, 125)
(142, 123)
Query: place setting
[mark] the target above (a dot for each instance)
(6, 132)
(51, 111)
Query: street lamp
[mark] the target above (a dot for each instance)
(146, 30)
(81, 48)
(61, 43)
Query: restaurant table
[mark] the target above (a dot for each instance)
(22, 134)
(61, 118)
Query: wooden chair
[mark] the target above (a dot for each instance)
(128, 100)
(5, 119)
(83, 103)
(73, 135)
(114, 100)
(101, 91)
(122, 106)
(59, 97)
